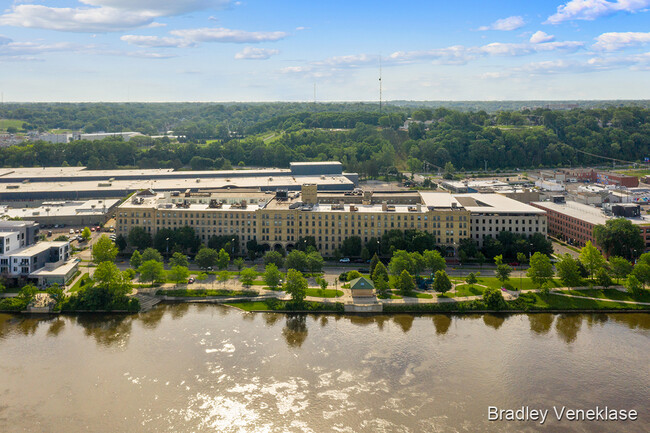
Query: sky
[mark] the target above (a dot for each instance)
(291, 50)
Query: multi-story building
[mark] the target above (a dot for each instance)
(21, 256)
(575, 222)
(280, 220)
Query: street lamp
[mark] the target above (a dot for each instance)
(167, 251)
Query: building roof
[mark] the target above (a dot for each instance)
(60, 271)
(477, 203)
(583, 212)
(61, 209)
(361, 283)
(38, 248)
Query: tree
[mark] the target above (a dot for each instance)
(441, 282)
(201, 276)
(108, 277)
(619, 237)
(120, 242)
(568, 270)
(382, 289)
(642, 273)
(297, 260)
(272, 275)
(365, 254)
(351, 246)
(434, 261)
(222, 277)
(591, 258)
(503, 271)
(151, 254)
(373, 262)
(56, 292)
(296, 286)
(620, 267)
(314, 262)
(471, 279)
(522, 258)
(480, 259)
(178, 259)
(450, 170)
(401, 261)
(136, 259)
(86, 234)
(353, 275)
(179, 274)
(27, 293)
(151, 270)
(104, 250)
(634, 286)
(139, 238)
(223, 258)
(380, 273)
(274, 257)
(493, 298)
(247, 276)
(603, 278)
(541, 269)
(404, 284)
(239, 263)
(322, 282)
(206, 257)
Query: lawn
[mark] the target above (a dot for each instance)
(79, 284)
(327, 293)
(609, 294)
(636, 173)
(557, 302)
(205, 292)
(6, 123)
(467, 290)
(251, 306)
(515, 282)
(424, 295)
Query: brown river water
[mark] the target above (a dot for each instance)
(206, 368)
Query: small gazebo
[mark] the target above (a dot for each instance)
(362, 287)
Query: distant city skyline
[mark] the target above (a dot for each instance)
(254, 50)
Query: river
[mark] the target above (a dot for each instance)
(198, 368)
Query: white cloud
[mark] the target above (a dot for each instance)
(540, 36)
(155, 41)
(592, 9)
(102, 15)
(505, 24)
(10, 48)
(221, 34)
(160, 7)
(251, 53)
(614, 41)
(455, 55)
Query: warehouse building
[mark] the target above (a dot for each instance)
(281, 219)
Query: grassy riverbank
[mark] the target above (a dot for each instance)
(185, 293)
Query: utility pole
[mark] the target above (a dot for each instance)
(380, 85)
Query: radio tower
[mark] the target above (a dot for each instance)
(380, 84)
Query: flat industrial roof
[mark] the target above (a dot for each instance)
(61, 209)
(174, 184)
(590, 214)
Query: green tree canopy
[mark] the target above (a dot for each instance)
(541, 269)
(441, 282)
(405, 284)
(151, 254)
(619, 237)
(104, 250)
(272, 275)
(136, 259)
(151, 270)
(206, 257)
(296, 286)
(591, 258)
(178, 259)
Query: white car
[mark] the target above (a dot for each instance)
(344, 260)
(71, 231)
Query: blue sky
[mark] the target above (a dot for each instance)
(275, 50)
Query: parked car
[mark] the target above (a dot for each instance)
(92, 229)
(49, 232)
(71, 231)
(190, 281)
(344, 260)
